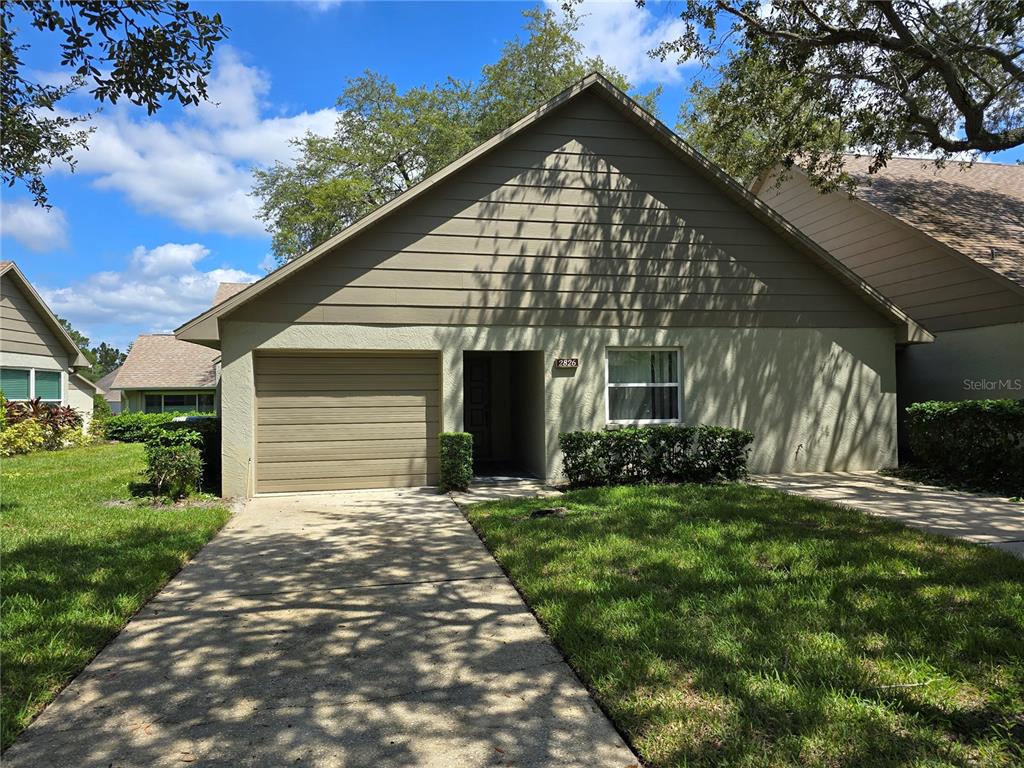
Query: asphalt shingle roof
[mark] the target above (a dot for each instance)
(977, 210)
(161, 361)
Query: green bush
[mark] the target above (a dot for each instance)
(100, 408)
(138, 427)
(174, 470)
(21, 437)
(456, 461)
(977, 443)
(655, 454)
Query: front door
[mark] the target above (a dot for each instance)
(478, 405)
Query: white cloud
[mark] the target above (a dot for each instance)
(159, 289)
(622, 35)
(38, 229)
(197, 169)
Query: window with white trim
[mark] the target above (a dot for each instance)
(644, 386)
(178, 402)
(32, 383)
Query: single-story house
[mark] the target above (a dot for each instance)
(38, 358)
(164, 374)
(105, 387)
(583, 269)
(944, 244)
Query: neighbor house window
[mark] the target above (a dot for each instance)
(644, 386)
(178, 402)
(30, 383)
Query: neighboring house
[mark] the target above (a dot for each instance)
(163, 374)
(584, 269)
(112, 396)
(38, 359)
(946, 246)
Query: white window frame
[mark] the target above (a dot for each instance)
(608, 386)
(162, 395)
(32, 382)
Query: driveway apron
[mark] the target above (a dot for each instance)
(348, 629)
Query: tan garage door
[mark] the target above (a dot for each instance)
(354, 420)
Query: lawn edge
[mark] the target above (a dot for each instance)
(234, 506)
(642, 763)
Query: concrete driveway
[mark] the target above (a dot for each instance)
(350, 629)
(982, 519)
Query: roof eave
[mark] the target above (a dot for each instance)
(204, 329)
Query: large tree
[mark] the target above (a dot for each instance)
(806, 81)
(385, 141)
(147, 52)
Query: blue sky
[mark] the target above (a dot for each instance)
(158, 209)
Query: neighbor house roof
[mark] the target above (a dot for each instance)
(105, 385)
(205, 328)
(226, 290)
(977, 210)
(162, 361)
(9, 270)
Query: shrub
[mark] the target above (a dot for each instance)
(456, 461)
(136, 426)
(59, 425)
(21, 437)
(655, 454)
(100, 408)
(173, 470)
(979, 443)
(208, 433)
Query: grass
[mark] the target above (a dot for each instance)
(738, 626)
(73, 570)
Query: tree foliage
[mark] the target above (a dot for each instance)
(386, 140)
(808, 81)
(144, 51)
(102, 358)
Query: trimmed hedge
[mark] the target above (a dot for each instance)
(136, 426)
(207, 432)
(655, 454)
(978, 443)
(456, 450)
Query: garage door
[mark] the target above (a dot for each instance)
(338, 421)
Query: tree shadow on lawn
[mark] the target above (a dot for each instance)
(729, 624)
(63, 600)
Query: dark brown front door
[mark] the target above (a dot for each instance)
(478, 405)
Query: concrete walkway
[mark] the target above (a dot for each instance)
(349, 629)
(981, 519)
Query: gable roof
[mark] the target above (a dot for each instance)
(162, 361)
(204, 328)
(977, 210)
(226, 290)
(106, 384)
(8, 269)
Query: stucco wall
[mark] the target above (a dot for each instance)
(79, 396)
(969, 364)
(815, 398)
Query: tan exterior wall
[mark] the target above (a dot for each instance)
(582, 219)
(941, 290)
(79, 396)
(970, 364)
(815, 398)
(23, 331)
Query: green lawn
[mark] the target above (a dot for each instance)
(72, 570)
(737, 626)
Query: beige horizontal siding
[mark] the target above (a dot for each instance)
(936, 288)
(336, 421)
(581, 219)
(22, 330)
